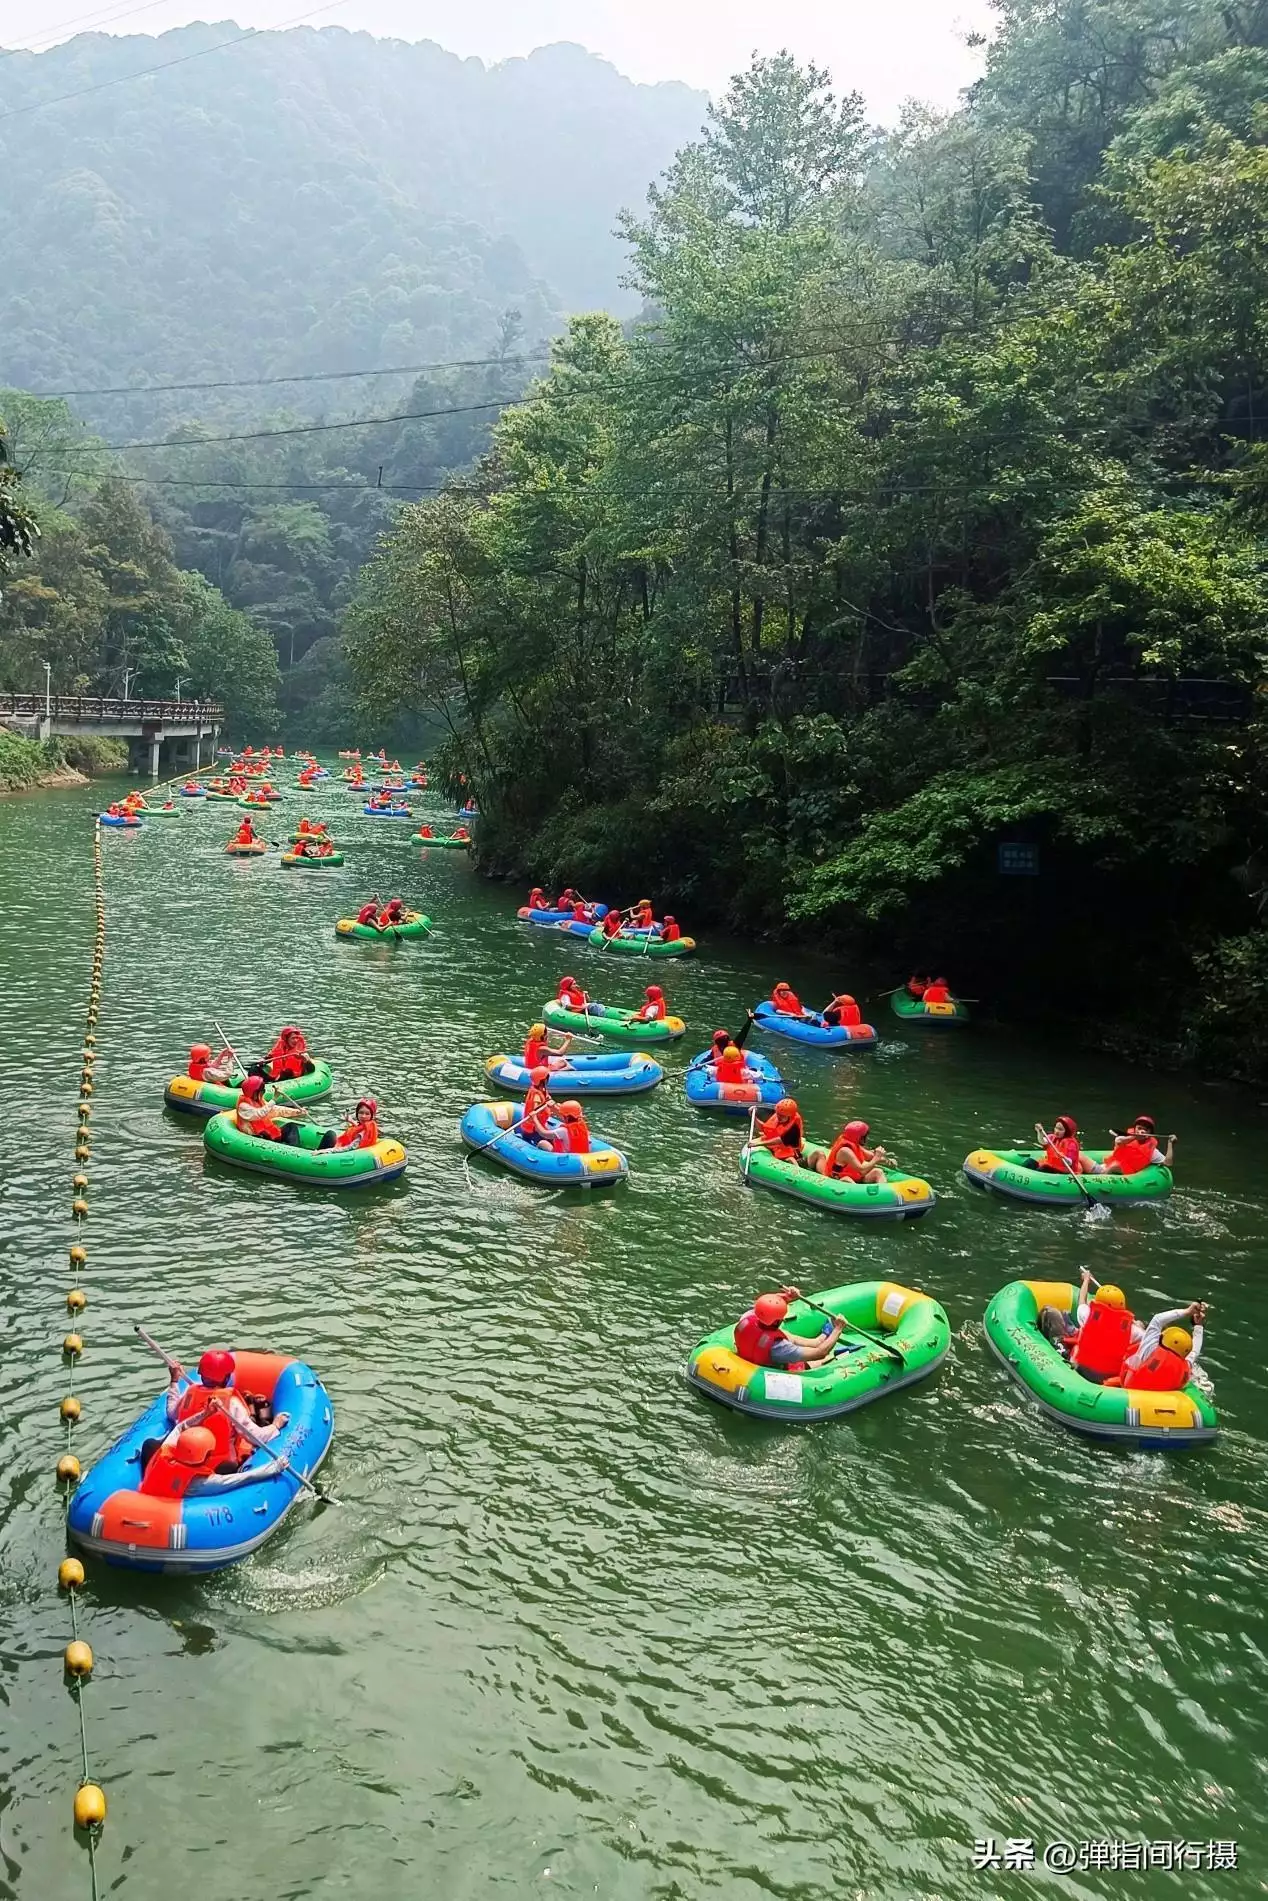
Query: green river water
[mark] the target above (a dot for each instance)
(574, 1630)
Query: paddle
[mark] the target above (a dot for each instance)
(748, 1146)
(480, 1148)
(281, 1460)
(871, 1338)
(1049, 1143)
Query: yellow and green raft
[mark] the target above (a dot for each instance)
(1156, 1422)
(894, 1337)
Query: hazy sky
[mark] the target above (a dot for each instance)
(889, 51)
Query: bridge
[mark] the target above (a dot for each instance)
(160, 733)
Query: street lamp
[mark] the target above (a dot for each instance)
(48, 689)
(129, 674)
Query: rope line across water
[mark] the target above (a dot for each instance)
(90, 1801)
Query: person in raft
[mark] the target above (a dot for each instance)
(611, 926)
(392, 913)
(361, 1133)
(760, 1339)
(425, 831)
(670, 930)
(916, 986)
(1168, 1354)
(849, 1161)
(642, 917)
(785, 999)
(1060, 1151)
(655, 1010)
(1101, 1334)
(246, 832)
(463, 835)
(538, 1109)
(842, 1012)
(204, 1068)
(201, 1443)
(784, 1134)
(719, 1043)
(939, 991)
(287, 1059)
(1137, 1149)
(729, 1065)
(537, 900)
(571, 995)
(540, 1052)
(575, 1139)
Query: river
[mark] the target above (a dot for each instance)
(572, 1630)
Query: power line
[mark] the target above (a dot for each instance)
(103, 85)
(100, 18)
(299, 429)
(313, 376)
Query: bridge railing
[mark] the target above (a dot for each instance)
(92, 709)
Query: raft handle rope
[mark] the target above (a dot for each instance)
(90, 1800)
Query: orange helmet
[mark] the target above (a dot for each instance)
(786, 1107)
(539, 1075)
(570, 1111)
(202, 1050)
(770, 1309)
(195, 1445)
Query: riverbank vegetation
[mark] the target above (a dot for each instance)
(899, 580)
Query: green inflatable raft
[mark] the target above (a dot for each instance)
(898, 1198)
(303, 1161)
(1012, 1172)
(604, 1019)
(441, 844)
(933, 1015)
(207, 1099)
(643, 946)
(1157, 1422)
(302, 861)
(895, 1337)
(413, 925)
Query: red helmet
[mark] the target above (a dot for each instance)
(367, 1102)
(216, 1368)
(721, 1036)
(856, 1131)
(202, 1050)
(781, 985)
(567, 983)
(669, 919)
(845, 997)
(1070, 1124)
(654, 993)
(195, 1445)
(289, 1029)
(786, 1107)
(770, 1309)
(1144, 1122)
(539, 1075)
(251, 1086)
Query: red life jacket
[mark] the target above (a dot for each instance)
(753, 1341)
(670, 933)
(1103, 1341)
(1132, 1155)
(652, 1012)
(166, 1476)
(731, 1072)
(263, 1126)
(359, 1135)
(1067, 1145)
(197, 1399)
(580, 913)
(612, 924)
(572, 999)
(845, 1163)
(367, 913)
(844, 1014)
(576, 1138)
(535, 1052)
(937, 993)
(784, 1147)
(1163, 1372)
(537, 1107)
(197, 1070)
(787, 1002)
(291, 1064)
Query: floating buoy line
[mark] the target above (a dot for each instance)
(77, 1658)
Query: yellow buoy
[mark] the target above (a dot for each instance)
(70, 1573)
(90, 1039)
(79, 1207)
(68, 1469)
(78, 1658)
(77, 1299)
(85, 1089)
(78, 1254)
(90, 1806)
(73, 1344)
(80, 1182)
(71, 1408)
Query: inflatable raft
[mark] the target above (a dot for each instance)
(895, 1337)
(914, 1010)
(303, 1161)
(604, 1019)
(306, 861)
(124, 822)
(414, 924)
(1157, 1422)
(1012, 1172)
(489, 1127)
(623, 1073)
(549, 915)
(646, 944)
(193, 792)
(256, 849)
(162, 811)
(442, 844)
(735, 1099)
(205, 1099)
(319, 838)
(387, 811)
(898, 1198)
(114, 1516)
(813, 1030)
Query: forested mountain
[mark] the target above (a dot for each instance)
(927, 518)
(305, 201)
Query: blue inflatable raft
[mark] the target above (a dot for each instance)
(621, 1073)
(562, 920)
(814, 1030)
(488, 1126)
(387, 811)
(734, 1099)
(120, 823)
(114, 1516)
